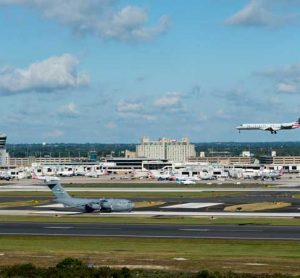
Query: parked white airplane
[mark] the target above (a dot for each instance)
(273, 175)
(159, 175)
(273, 128)
(139, 174)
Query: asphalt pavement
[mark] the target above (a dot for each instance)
(247, 232)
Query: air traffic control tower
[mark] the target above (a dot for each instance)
(3, 153)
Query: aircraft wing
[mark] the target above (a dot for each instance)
(270, 128)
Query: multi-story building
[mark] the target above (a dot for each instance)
(3, 154)
(165, 148)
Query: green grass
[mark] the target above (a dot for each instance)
(22, 203)
(197, 254)
(88, 218)
(167, 248)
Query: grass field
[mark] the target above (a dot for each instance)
(22, 203)
(192, 255)
(257, 206)
(296, 195)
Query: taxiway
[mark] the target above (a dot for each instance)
(153, 230)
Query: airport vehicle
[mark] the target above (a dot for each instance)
(85, 204)
(92, 174)
(272, 127)
(5, 176)
(186, 182)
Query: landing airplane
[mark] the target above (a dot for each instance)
(85, 204)
(273, 128)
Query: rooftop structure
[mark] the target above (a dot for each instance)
(2, 140)
(3, 153)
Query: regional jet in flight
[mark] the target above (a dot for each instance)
(85, 204)
(273, 128)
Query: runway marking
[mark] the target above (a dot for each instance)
(255, 264)
(210, 230)
(58, 227)
(195, 230)
(53, 212)
(51, 206)
(193, 205)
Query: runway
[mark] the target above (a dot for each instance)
(153, 231)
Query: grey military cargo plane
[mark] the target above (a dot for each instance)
(85, 204)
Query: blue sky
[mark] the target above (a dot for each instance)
(113, 71)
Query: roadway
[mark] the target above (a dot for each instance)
(246, 232)
(43, 188)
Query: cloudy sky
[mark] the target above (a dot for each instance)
(112, 70)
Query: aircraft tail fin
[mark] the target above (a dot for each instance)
(281, 172)
(298, 121)
(58, 190)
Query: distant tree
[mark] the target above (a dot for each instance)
(69, 263)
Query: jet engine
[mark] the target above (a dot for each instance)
(92, 207)
(106, 206)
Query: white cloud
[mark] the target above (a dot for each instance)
(288, 72)
(286, 88)
(55, 134)
(223, 115)
(265, 13)
(110, 125)
(133, 110)
(69, 110)
(55, 73)
(254, 13)
(103, 18)
(129, 106)
(149, 117)
(286, 79)
(170, 100)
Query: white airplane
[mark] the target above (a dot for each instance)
(139, 174)
(159, 175)
(273, 128)
(273, 175)
(203, 175)
(44, 178)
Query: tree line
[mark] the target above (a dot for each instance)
(117, 150)
(71, 267)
